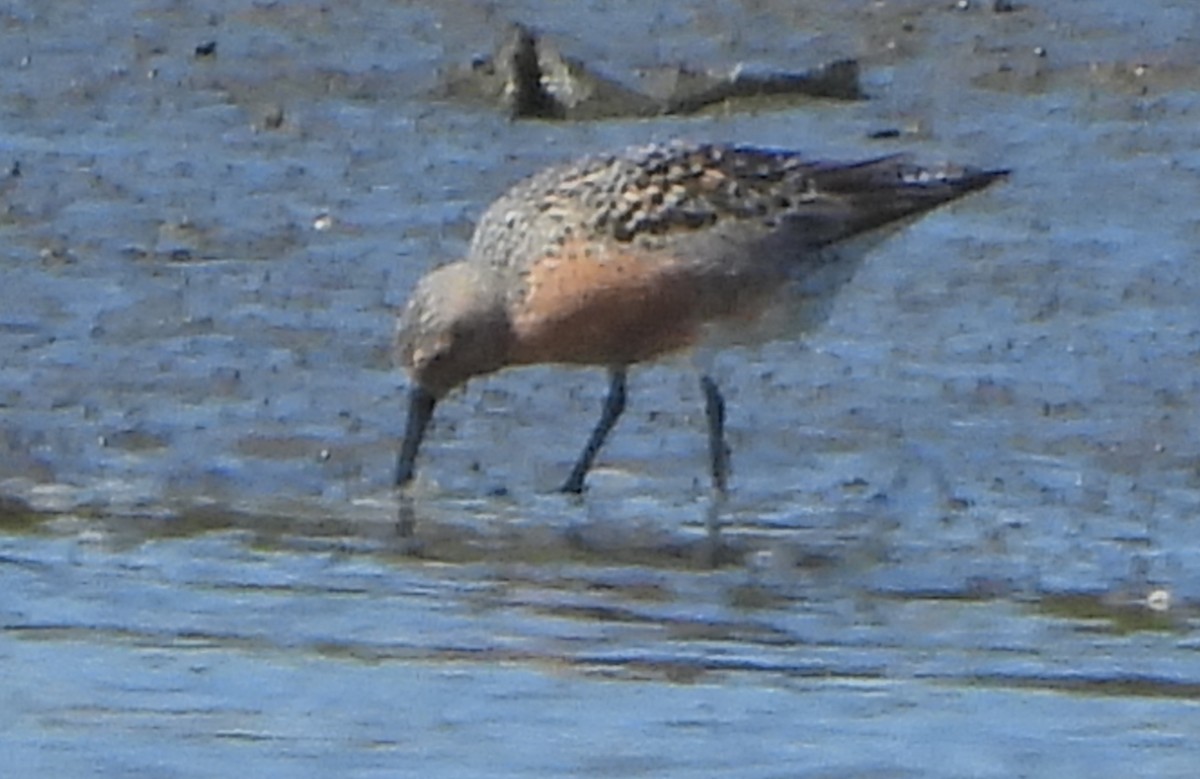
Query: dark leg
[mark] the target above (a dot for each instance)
(718, 452)
(420, 410)
(614, 404)
(406, 520)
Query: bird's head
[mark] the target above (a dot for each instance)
(453, 328)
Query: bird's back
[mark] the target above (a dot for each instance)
(619, 258)
(738, 198)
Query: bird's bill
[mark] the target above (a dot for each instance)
(421, 403)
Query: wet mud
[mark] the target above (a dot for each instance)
(962, 518)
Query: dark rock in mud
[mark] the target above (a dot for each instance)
(529, 78)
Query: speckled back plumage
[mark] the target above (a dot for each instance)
(649, 195)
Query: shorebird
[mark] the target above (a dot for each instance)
(613, 260)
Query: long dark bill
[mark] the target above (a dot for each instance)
(421, 403)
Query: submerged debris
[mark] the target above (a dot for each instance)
(529, 78)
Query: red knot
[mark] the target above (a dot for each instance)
(617, 259)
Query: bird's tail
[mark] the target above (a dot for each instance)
(862, 197)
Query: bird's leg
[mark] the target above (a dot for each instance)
(718, 452)
(614, 404)
(420, 409)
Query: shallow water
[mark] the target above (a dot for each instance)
(950, 505)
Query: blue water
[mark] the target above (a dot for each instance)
(952, 507)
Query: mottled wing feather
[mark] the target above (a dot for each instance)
(627, 254)
(861, 197)
(651, 193)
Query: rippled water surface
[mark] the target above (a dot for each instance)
(962, 537)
